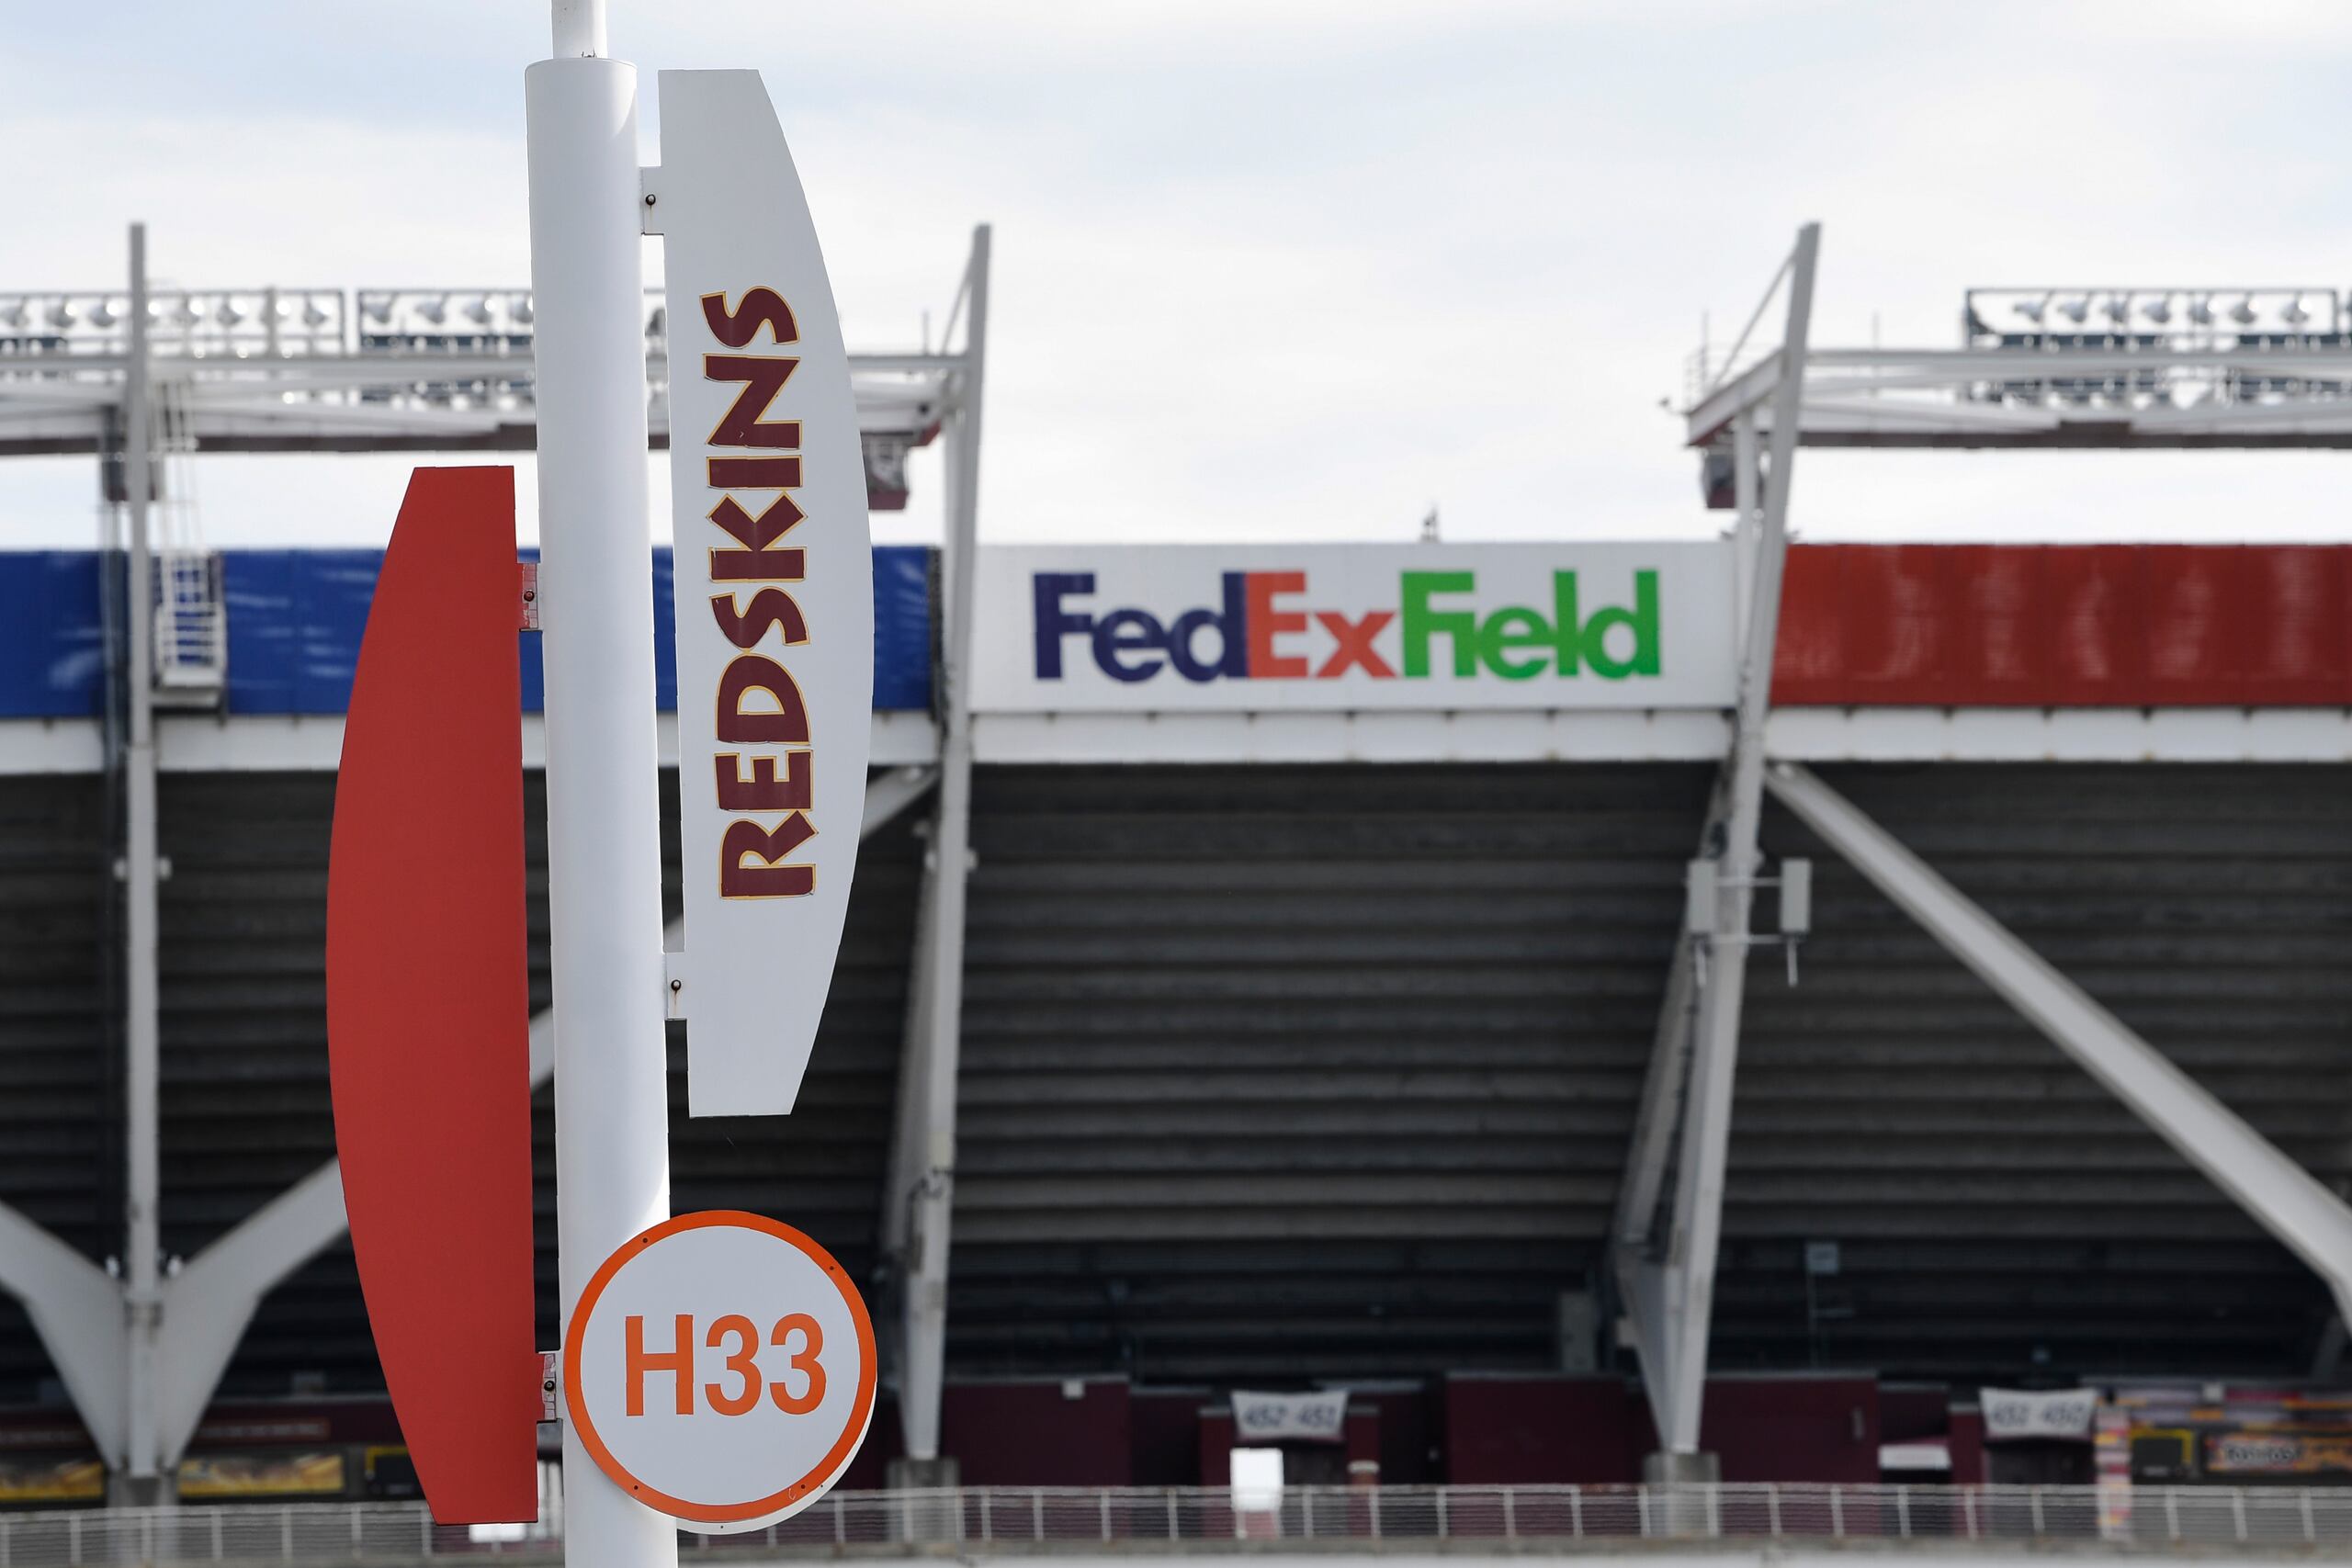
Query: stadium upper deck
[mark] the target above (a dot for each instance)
(1954, 652)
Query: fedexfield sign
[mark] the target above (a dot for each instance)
(1326, 626)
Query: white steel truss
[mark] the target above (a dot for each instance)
(2164, 368)
(918, 1206)
(1663, 1262)
(2069, 369)
(406, 370)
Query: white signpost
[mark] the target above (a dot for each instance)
(774, 592)
(721, 1367)
(771, 1355)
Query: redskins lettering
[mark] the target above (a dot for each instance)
(763, 378)
(759, 711)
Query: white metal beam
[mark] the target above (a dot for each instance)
(277, 743)
(142, 1261)
(320, 402)
(887, 795)
(76, 1307)
(1657, 1117)
(918, 1204)
(189, 743)
(207, 1304)
(2278, 1194)
(1660, 1112)
(1966, 396)
(1853, 411)
(1755, 384)
(1672, 1291)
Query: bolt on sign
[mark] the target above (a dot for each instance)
(774, 591)
(721, 1367)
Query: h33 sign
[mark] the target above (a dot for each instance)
(721, 1367)
(1145, 628)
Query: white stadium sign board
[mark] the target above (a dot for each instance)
(1308, 628)
(721, 1367)
(774, 592)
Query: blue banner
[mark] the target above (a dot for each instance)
(295, 619)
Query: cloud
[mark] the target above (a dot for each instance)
(1274, 271)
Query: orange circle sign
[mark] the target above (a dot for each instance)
(721, 1367)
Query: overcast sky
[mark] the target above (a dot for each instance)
(1276, 269)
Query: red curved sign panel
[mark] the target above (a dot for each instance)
(428, 1006)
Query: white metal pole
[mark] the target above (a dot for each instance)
(1706, 1126)
(926, 1164)
(143, 1296)
(580, 30)
(1747, 533)
(604, 815)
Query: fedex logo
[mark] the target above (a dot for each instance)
(1264, 627)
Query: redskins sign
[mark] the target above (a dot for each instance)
(774, 592)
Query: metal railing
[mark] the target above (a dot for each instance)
(2153, 1519)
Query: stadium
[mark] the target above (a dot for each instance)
(1439, 1040)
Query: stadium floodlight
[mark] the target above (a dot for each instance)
(102, 314)
(2075, 311)
(477, 310)
(188, 314)
(2294, 315)
(2118, 309)
(60, 315)
(435, 310)
(519, 310)
(2200, 310)
(2158, 310)
(2243, 312)
(2032, 309)
(315, 314)
(379, 310)
(228, 313)
(13, 312)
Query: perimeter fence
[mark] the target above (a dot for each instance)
(2153, 1519)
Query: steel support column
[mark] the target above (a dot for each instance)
(142, 1244)
(1660, 1113)
(918, 1206)
(603, 834)
(1667, 1279)
(2276, 1192)
(77, 1309)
